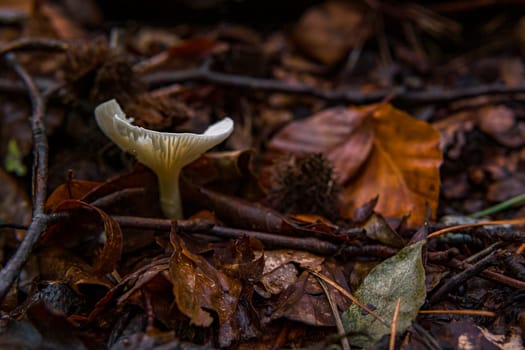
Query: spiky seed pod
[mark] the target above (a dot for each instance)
(305, 184)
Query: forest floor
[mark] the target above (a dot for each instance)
(370, 194)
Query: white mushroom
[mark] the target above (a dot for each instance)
(164, 153)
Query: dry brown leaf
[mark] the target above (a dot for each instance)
(375, 150)
(343, 135)
(328, 31)
(106, 259)
(60, 265)
(198, 287)
(73, 189)
(403, 168)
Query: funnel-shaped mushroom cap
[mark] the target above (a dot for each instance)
(165, 153)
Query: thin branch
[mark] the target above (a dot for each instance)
(516, 221)
(348, 95)
(345, 344)
(400, 94)
(30, 44)
(349, 296)
(483, 313)
(203, 74)
(393, 328)
(312, 245)
(464, 275)
(40, 152)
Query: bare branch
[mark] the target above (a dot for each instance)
(40, 151)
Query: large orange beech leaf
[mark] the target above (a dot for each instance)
(375, 150)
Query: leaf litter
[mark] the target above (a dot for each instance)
(358, 128)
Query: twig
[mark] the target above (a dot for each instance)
(9, 16)
(517, 221)
(203, 74)
(461, 277)
(393, 329)
(27, 44)
(428, 341)
(349, 296)
(13, 226)
(313, 245)
(464, 312)
(18, 87)
(39, 192)
(338, 322)
(399, 94)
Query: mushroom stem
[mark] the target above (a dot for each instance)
(165, 153)
(170, 200)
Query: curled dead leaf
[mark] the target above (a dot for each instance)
(105, 260)
(198, 287)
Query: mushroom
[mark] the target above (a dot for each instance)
(163, 152)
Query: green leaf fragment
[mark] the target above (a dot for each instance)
(13, 159)
(401, 276)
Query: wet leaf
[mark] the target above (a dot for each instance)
(106, 259)
(198, 287)
(60, 265)
(280, 269)
(401, 276)
(378, 229)
(229, 171)
(140, 276)
(375, 150)
(73, 189)
(305, 300)
(241, 213)
(241, 259)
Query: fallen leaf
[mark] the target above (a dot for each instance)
(375, 150)
(338, 133)
(193, 48)
(71, 189)
(305, 300)
(105, 260)
(280, 270)
(241, 213)
(403, 168)
(378, 229)
(229, 171)
(60, 265)
(198, 287)
(399, 277)
(328, 31)
(241, 259)
(464, 334)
